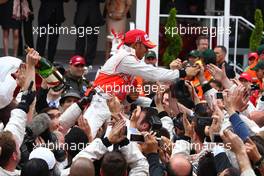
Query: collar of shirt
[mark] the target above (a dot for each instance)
(53, 103)
(4, 172)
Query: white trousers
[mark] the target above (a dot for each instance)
(98, 112)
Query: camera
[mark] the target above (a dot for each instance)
(180, 91)
(219, 95)
(204, 121)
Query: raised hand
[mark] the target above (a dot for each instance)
(192, 71)
(114, 105)
(217, 73)
(117, 133)
(32, 58)
(215, 126)
(176, 64)
(188, 129)
(134, 117)
(84, 125)
(252, 151)
(151, 144)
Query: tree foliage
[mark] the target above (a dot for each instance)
(173, 38)
(256, 34)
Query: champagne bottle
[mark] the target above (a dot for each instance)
(48, 72)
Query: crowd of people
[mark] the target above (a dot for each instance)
(196, 118)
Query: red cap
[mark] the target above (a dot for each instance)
(75, 60)
(136, 35)
(253, 54)
(245, 76)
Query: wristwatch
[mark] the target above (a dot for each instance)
(259, 163)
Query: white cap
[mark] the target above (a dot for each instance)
(45, 154)
(8, 84)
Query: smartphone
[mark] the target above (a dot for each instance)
(137, 138)
(204, 121)
(217, 138)
(219, 95)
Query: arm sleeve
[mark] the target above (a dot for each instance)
(155, 168)
(168, 124)
(129, 65)
(135, 159)
(181, 146)
(240, 128)
(209, 94)
(94, 151)
(69, 117)
(17, 124)
(41, 102)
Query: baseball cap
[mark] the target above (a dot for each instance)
(260, 49)
(208, 54)
(75, 60)
(137, 35)
(194, 53)
(150, 54)
(245, 76)
(260, 65)
(70, 93)
(45, 154)
(253, 55)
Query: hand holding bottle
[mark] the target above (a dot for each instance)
(45, 69)
(32, 57)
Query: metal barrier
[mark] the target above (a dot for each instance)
(220, 36)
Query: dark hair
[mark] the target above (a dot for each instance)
(206, 165)
(149, 112)
(202, 37)
(74, 137)
(47, 109)
(164, 132)
(223, 48)
(259, 143)
(113, 164)
(203, 110)
(202, 119)
(35, 167)
(8, 147)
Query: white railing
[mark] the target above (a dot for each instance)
(220, 24)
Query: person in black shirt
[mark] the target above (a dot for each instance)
(88, 14)
(51, 13)
(220, 52)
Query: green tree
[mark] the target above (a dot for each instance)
(256, 34)
(174, 39)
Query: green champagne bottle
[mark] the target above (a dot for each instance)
(48, 72)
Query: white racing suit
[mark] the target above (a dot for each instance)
(120, 70)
